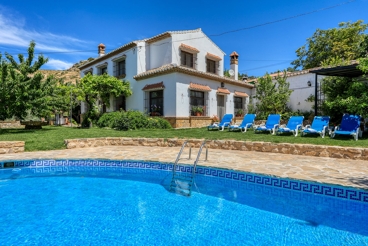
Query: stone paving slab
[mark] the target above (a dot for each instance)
(345, 172)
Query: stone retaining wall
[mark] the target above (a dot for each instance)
(11, 147)
(10, 124)
(189, 122)
(283, 148)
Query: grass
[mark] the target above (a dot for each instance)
(52, 137)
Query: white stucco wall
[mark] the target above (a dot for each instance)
(160, 53)
(183, 95)
(169, 95)
(301, 91)
(201, 42)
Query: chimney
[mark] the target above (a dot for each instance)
(234, 64)
(101, 49)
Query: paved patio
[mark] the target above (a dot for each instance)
(353, 173)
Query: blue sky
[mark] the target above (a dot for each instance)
(62, 27)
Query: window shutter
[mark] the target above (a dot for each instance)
(195, 61)
(182, 58)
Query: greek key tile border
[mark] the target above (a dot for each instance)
(289, 184)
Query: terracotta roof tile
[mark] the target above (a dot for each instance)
(240, 94)
(222, 90)
(213, 57)
(234, 54)
(189, 48)
(153, 86)
(110, 54)
(199, 87)
(172, 68)
(288, 74)
(168, 34)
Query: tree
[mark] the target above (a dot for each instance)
(333, 46)
(23, 88)
(100, 87)
(346, 95)
(65, 97)
(272, 96)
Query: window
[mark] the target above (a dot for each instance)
(211, 66)
(187, 59)
(197, 102)
(156, 99)
(103, 70)
(119, 67)
(89, 71)
(238, 106)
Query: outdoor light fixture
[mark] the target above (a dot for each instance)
(309, 83)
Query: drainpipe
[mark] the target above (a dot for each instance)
(315, 95)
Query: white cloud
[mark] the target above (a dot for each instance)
(57, 64)
(13, 32)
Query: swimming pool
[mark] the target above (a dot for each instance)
(103, 202)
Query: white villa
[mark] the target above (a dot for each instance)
(171, 75)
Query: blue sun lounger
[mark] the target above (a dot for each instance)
(319, 126)
(294, 124)
(247, 122)
(350, 125)
(225, 122)
(273, 121)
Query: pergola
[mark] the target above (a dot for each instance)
(350, 71)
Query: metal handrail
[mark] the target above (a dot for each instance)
(197, 159)
(179, 154)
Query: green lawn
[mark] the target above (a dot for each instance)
(52, 137)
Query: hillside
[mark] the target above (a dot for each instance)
(71, 74)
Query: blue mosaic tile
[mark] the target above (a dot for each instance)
(132, 166)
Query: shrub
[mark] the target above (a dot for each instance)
(132, 120)
(109, 119)
(307, 114)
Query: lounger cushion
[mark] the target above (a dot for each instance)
(344, 132)
(310, 130)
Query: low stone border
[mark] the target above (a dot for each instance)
(10, 124)
(7, 147)
(284, 148)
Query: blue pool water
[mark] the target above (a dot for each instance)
(131, 206)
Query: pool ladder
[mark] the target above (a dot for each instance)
(182, 182)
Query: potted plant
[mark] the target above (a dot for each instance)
(197, 110)
(155, 110)
(239, 112)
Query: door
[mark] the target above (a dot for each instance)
(120, 103)
(220, 106)
(156, 99)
